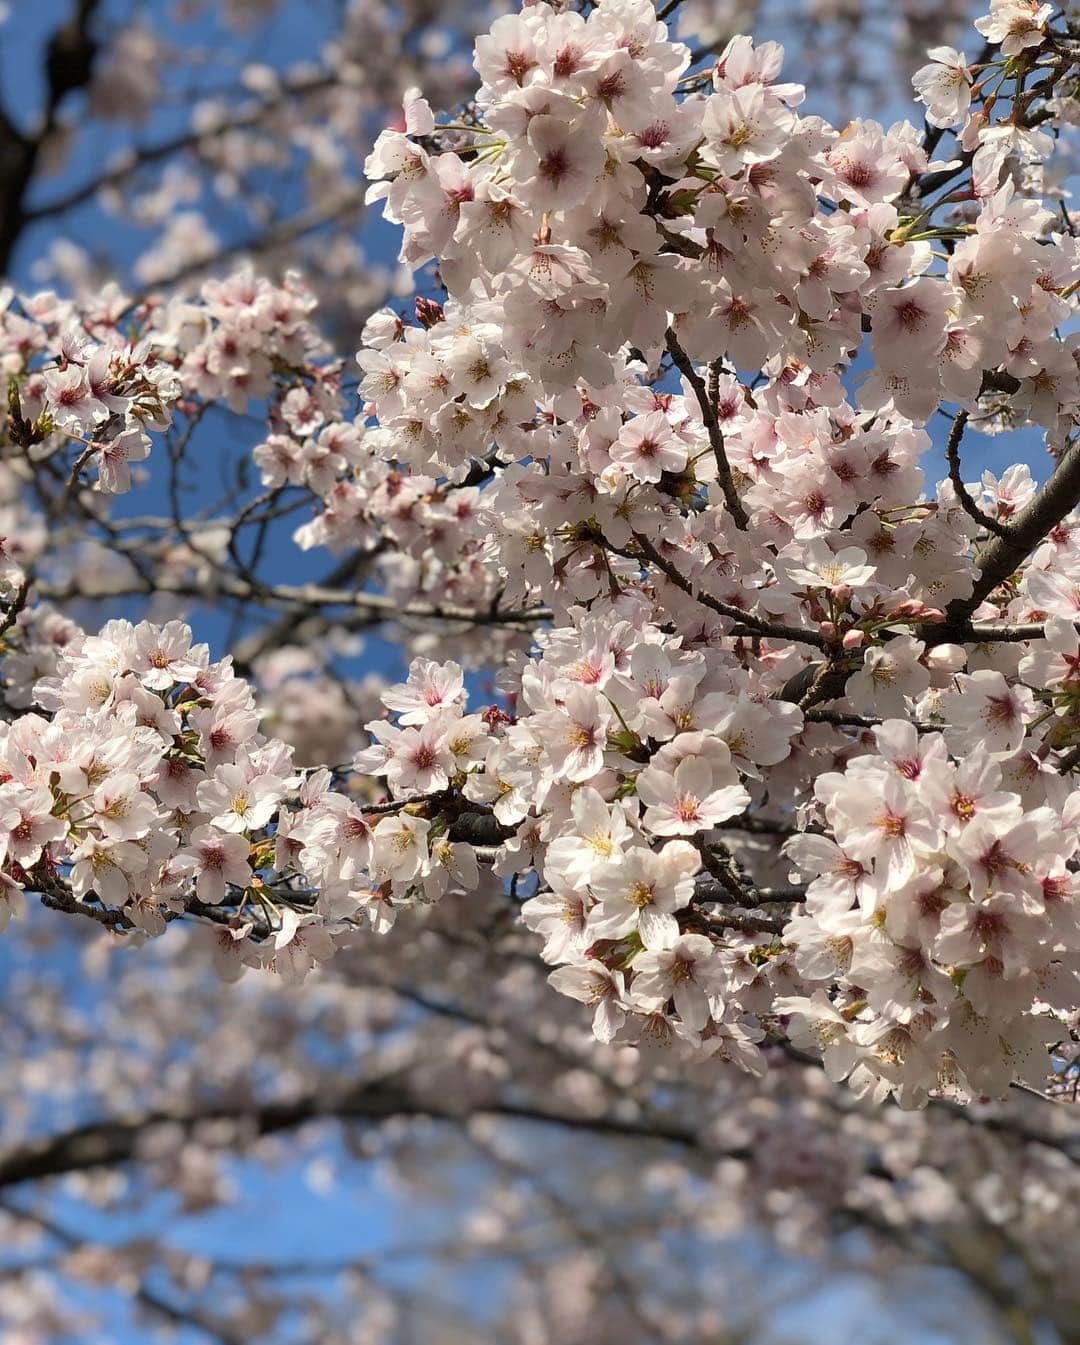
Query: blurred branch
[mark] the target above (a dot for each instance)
(144, 156)
(266, 240)
(229, 585)
(173, 1313)
(69, 59)
(109, 1143)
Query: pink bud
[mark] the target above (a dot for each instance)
(841, 592)
(854, 639)
(828, 629)
(911, 609)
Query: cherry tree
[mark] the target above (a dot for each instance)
(161, 142)
(731, 739)
(150, 1149)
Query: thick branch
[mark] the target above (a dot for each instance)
(68, 66)
(1006, 553)
(102, 1144)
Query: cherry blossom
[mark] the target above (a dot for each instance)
(776, 741)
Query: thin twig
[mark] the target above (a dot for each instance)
(666, 11)
(952, 457)
(1005, 554)
(685, 366)
(771, 629)
(306, 596)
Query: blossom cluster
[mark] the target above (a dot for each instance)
(935, 944)
(735, 239)
(789, 756)
(73, 379)
(142, 785)
(601, 219)
(630, 757)
(942, 903)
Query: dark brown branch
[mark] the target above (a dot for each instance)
(1005, 554)
(720, 868)
(822, 681)
(952, 457)
(744, 922)
(57, 898)
(108, 1143)
(712, 425)
(1069, 761)
(666, 11)
(986, 632)
(754, 825)
(711, 890)
(771, 629)
(69, 60)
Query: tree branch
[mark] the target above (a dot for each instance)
(302, 596)
(771, 629)
(68, 66)
(108, 1143)
(952, 457)
(151, 154)
(685, 366)
(1057, 498)
(174, 1313)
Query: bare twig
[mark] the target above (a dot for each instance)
(952, 457)
(685, 366)
(303, 596)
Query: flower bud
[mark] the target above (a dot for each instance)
(428, 312)
(911, 609)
